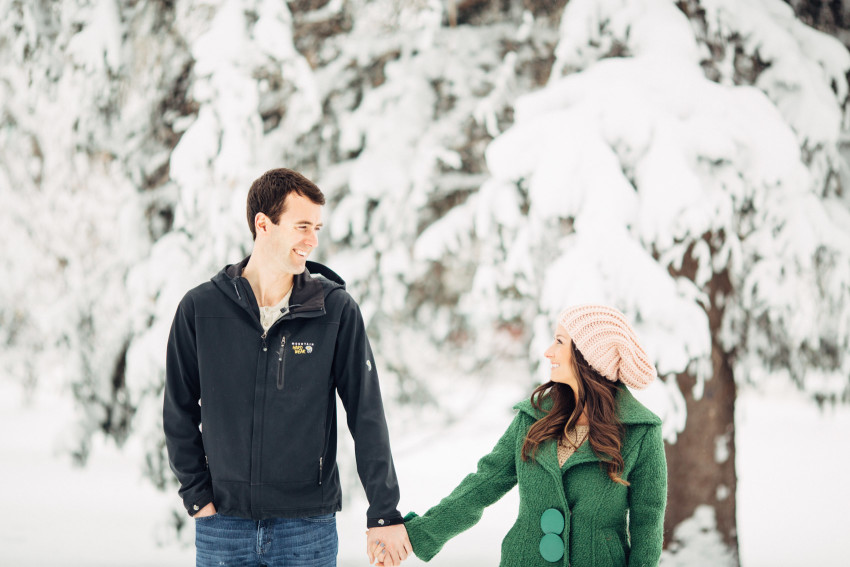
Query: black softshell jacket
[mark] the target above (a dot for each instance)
(266, 403)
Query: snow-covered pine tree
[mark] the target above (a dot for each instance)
(91, 92)
(683, 164)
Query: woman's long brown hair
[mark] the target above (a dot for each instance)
(596, 397)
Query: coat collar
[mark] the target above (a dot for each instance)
(630, 412)
(308, 289)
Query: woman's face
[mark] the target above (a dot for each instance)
(560, 355)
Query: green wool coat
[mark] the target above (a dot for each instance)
(606, 524)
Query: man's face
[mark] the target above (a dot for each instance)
(295, 235)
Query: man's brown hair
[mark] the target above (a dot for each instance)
(269, 191)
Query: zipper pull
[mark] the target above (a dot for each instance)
(320, 470)
(237, 291)
(265, 346)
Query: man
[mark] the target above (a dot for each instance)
(254, 358)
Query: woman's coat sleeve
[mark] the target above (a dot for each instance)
(462, 509)
(647, 501)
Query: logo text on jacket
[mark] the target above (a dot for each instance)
(302, 348)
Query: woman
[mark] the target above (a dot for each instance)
(587, 456)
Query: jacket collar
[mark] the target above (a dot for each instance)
(308, 288)
(630, 412)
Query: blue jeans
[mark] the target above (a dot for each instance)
(290, 542)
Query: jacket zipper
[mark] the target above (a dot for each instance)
(321, 459)
(280, 366)
(263, 338)
(236, 288)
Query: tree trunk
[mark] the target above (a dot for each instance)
(701, 463)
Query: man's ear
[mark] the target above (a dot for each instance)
(261, 222)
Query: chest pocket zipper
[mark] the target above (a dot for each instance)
(281, 359)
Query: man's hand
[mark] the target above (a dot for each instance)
(388, 546)
(207, 510)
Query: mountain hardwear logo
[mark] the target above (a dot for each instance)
(302, 348)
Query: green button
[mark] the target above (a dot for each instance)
(551, 548)
(552, 521)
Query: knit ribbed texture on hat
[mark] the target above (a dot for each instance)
(609, 344)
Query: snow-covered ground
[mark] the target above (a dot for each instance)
(792, 501)
(792, 497)
(54, 513)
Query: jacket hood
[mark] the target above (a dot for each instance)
(309, 288)
(630, 410)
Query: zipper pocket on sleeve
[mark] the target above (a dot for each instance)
(281, 359)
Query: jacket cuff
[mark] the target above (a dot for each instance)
(194, 506)
(383, 522)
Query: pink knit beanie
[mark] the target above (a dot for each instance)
(608, 343)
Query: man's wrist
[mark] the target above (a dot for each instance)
(199, 504)
(384, 522)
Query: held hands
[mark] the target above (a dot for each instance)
(387, 546)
